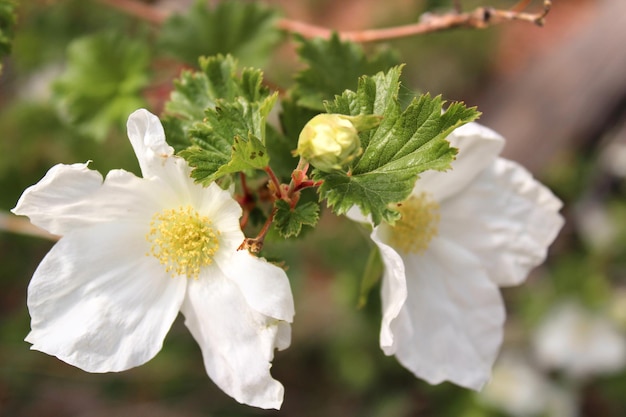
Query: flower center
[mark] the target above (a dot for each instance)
(183, 241)
(417, 226)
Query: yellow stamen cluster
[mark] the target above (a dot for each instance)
(417, 226)
(183, 241)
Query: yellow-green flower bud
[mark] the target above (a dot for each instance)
(329, 142)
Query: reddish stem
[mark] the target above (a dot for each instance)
(255, 244)
(275, 182)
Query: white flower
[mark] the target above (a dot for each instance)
(516, 388)
(136, 251)
(463, 234)
(519, 389)
(579, 342)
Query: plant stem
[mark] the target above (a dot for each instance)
(480, 18)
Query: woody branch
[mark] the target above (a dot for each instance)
(479, 18)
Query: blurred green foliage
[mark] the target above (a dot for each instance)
(244, 30)
(334, 366)
(100, 86)
(7, 26)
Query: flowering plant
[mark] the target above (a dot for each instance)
(232, 165)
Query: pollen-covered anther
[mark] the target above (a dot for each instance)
(417, 226)
(183, 241)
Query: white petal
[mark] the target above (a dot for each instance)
(506, 218)
(125, 196)
(50, 203)
(355, 214)
(237, 342)
(99, 303)
(451, 325)
(219, 206)
(264, 286)
(148, 139)
(478, 147)
(393, 290)
(71, 197)
(283, 335)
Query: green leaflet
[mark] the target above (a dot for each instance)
(289, 221)
(406, 143)
(196, 91)
(218, 117)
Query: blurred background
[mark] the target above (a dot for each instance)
(557, 93)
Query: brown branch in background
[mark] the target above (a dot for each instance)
(521, 5)
(22, 226)
(138, 9)
(479, 18)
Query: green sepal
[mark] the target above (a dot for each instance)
(364, 122)
(405, 143)
(289, 221)
(374, 268)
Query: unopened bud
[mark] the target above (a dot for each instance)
(329, 142)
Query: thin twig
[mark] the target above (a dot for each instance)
(480, 18)
(456, 4)
(138, 9)
(521, 5)
(20, 225)
(255, 244)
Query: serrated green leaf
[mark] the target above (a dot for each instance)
(205, 162)
(289, 221)
(334, 66)
(102, 83)
(196, 91)
(247, 154)
(220, 117)
(406, 143)
(231, 136)
(246, 30)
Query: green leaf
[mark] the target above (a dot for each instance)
(406, 143)
(334, 66)
(8, 17)
(247, 154)
(289, 221)
(102, 83)
(218, 119)
(246, 30)
(196, 91)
